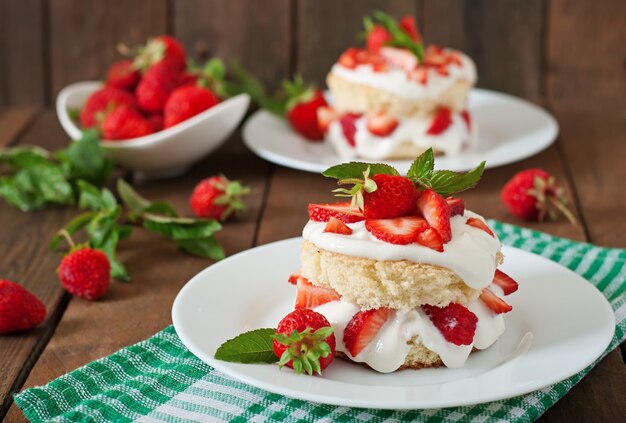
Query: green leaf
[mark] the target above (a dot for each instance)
(138, 204)
(251, 347)
(74, 225)
(247, 83)
(446, 182)
(109, 247)
(17, 198)
(399, 37)
(356, 169)
(84, 159)
(422, 167)
(24, 156)
(204, 247)
(179, 228)
(44, 183)
(92, 198)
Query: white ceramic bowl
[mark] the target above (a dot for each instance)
(167, 152)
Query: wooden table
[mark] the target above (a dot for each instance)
(588, 160)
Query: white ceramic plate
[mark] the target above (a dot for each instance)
(509, 129)
(559, 324)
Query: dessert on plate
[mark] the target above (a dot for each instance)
(405, 274)
(395, 98)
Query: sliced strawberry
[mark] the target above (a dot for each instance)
(363, 328)
(419, 74)
(457, 206)
(441, 122)
(456, 323)
(478, 223)
(435, 56)
(505, 282)
(399, 230)
(310, 296)
(348, 126)
(323, 212)
(377, 38)
(436, 211)
(381, 124)
(336, 226)
(495, 303)
(325, 115)
(400, 58)
(348, 58)
(293, 278)
(467, 118)
(431, 238)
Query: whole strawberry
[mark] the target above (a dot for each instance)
(155, 87)
(301, 109)
(101, 102)
(187, 101)
(123, 75)
(304, 341)
(19, 309)
(163, 48)
(86, 273)
(377, 37)
(125, 123)
(533, 194)
(218, 198)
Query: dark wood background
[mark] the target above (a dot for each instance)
(569, 56)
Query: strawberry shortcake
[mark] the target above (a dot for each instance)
(395, 98)
(405, 274)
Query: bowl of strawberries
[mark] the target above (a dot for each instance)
(157, 113)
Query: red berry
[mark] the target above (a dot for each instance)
(456, 323)
(123, 75)
(430, 238)
(441, 122)
(156, 86)
(293, 278)
(336, 226)
(187, 101)
(408, 25)
(310, 296)
(162, 49)
(399, 230)
(419, 74)
(377, 37)
(436, 211)
(218, 198)
(19, 309)
(457, 206)
(156, 122)
(125, 123)
(323, 212)
(101, 102)
(381, 124)
(307, 323)
(302, 115)
(505, 282)
(467, 118)
(495, 303)
(400, 58)
(186, 78)
(348, 58)
(479, 224)
(325, 116)
(394, 197)
(348, 127)
(363, 328)
(85, 273)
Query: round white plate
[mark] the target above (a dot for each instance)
(560, 324)
(509, 129)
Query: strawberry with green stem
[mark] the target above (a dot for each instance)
(303, 102)
(218, 198)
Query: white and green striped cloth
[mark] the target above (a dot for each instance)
(159, 380)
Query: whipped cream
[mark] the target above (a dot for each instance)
(396, 80)
(408, 132)
(389, 348)
(471, 253)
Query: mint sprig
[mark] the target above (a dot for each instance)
(356, 169)
(256, 346)
(399, 37)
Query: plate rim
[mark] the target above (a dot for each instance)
(355, 402)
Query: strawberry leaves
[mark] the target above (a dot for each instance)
(305, 349)
(251, 347)
(399, 38)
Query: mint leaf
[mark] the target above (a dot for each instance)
(446, 182)
(92, 198)
(247, 83)
(32, 187)
(84, 159)
(399, 37)
(138, 204)
(251, 347)
(24, 156)
(180, 228)
(75, 224)
(356, 169)
(422, 167)
(205, 247)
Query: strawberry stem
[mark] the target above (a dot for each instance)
(566, 212)
(68, 238)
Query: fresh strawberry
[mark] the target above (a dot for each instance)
(394, 196)
(399, 230)
(419, 74)
(101, 102)
(311, 348)
(456, 323)
(362, 329)
(19, 309)
(125, 123)
(435, 56)
(375, 60)
(505, 282)
(457, 206)
(156, 86)
(293, 278)
(323, 212)
(381, 124)
(302, 114)
(123, 75)
(467, 118)
(186, 78)
(325, 116)
(162, 49)
(441, 121)
(407, 24)
(430, 238)
(348, 58)
(310, 296)
(348, 127)
(218, 198)
(377, 38)
(86, 273)
(336, 226)
(436, 211)
(533, 194)
(400, 58)
(495, 303)
(156, 122)
(479, 224)
(187, 101)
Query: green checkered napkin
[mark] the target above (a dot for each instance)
(159, 380)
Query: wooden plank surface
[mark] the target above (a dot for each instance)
(13, 122)
(256, 34)
(84, 35)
